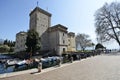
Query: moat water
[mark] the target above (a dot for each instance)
(49, 62)
(3, 69)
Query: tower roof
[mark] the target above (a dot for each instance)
(21, 33)
(58, 27)
(41, 10)
(71, 34)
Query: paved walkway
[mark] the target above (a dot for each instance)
(104, 67)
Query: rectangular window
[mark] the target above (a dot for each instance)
(63, 41)
(63, 50)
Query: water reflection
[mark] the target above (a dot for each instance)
(46, 62)
(3, 69)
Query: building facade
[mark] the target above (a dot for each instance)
(40, 21)
(54, 38)
(71, 42)
(58, 38)
(20, 41)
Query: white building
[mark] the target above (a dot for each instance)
(58, 38)
(54, 38)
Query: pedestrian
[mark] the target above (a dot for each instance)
(79, 57)
(71, 59)
(59, 61)
(39, 66)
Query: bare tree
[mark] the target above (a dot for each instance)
(83, 40)
(107, 22)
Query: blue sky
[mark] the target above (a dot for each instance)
(77, 15)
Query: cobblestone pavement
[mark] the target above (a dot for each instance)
(102, 67)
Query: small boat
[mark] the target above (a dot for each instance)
(20, 63)
(11, 62)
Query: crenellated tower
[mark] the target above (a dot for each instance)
(40, 21)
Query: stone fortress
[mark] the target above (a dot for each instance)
(55, 38)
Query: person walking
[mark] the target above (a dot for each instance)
(40, 66)
(71, 59)
(59, 61)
